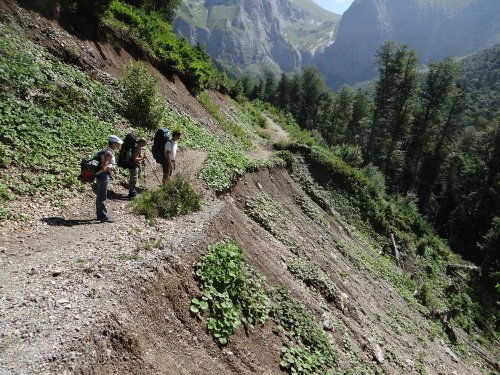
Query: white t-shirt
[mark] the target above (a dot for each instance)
(110, 151)
(172, 147)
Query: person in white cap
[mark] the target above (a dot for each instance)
(107, 165)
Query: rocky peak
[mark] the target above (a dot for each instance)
(435, 28)
(257, 34)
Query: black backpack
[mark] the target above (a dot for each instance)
(158, 149)
(90, 166)
(125, 155)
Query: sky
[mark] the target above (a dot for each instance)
(336, 6)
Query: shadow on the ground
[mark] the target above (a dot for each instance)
(62, 222)
(117, 196)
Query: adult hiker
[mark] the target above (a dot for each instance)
(103, 175)
(170, 155)
(137, 156)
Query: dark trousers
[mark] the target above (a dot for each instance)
(133, 178)
(102, 182)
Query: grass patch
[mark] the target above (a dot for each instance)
(175, 198)
(228, 125)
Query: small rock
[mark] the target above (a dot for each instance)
(57, 272)
(374, 348)
(410, 366)
(452, 355)
(327, 322)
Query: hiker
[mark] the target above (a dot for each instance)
(168, 163)
(136, 158)
(103, 175)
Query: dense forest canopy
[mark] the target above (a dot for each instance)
(430, 137)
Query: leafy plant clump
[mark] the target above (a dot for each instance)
(268, 213)
(307, 348)
(175, 198)
(312, 212)
(314, 278)
(231, 292)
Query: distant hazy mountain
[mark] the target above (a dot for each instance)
(435, 28)
(253, 35)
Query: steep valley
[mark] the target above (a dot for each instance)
(79, 297)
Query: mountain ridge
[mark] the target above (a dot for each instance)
(255, 36)
(434, 28)
(286, 35)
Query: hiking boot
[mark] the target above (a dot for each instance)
(132, 194)
(107, 220)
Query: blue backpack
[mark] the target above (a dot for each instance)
(158, 149)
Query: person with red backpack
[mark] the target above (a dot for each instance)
(107, 165)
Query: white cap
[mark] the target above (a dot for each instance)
(114, 139)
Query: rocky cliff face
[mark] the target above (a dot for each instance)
(435, 28)
(252, 35)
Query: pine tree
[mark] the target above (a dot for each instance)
(394, 106)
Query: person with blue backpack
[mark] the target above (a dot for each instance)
(165, 151)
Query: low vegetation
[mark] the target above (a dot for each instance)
(175, 198)
(231, 293)
(154, 32)
(307, 349)
(47, 109)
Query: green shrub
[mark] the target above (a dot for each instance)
(175, 198)
(231, 292)
(376, 177)
(425, 295)
(153, 29)
(143, 106)
(350, 154)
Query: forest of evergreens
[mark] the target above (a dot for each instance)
(429, 136)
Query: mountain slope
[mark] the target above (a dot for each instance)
(246, 35)
(87, 298)
(434, 28)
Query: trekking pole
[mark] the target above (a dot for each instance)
(153, 169)
(143, 174)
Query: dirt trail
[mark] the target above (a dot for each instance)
(61, 272)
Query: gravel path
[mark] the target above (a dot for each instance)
(61, 272)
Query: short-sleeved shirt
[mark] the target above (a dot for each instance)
(111, 152)
(112, 162)
(172, 147)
